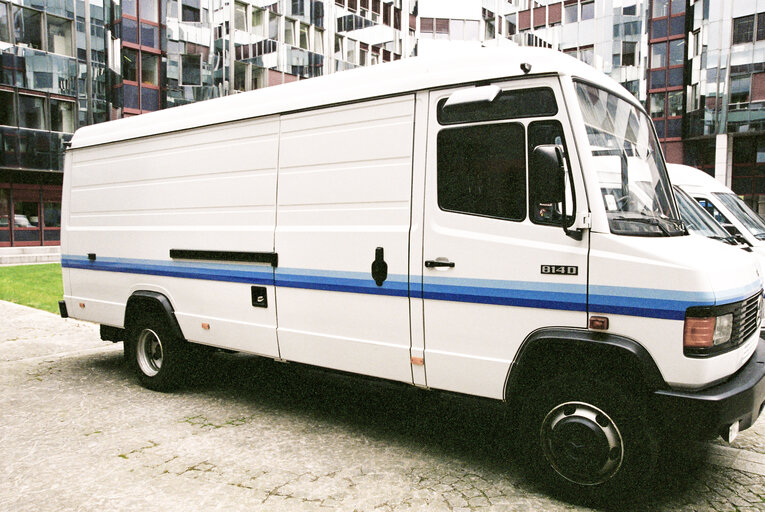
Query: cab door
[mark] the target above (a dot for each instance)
(496, 264)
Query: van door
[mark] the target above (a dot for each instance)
(342, 236)
(496, 264)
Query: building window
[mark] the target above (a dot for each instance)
(32, 112)
(629, 10)
(571, 13)
(743, 29)
(628, 53)
(761, 26)
(191, 70)
(190, 11)
(258, 25)
(675, 103)
(149, 35)
(304, 36)
(676, 52)
(128, 7)
(588, 10)
(240, 16)
(60, 36)
(61, 116)
(5, 26)
(482, 170)
(678, 6)
(129, 30)
(739, 90)
(660, 8)
(28, 27)
(149, 68)
(658, 55)
(657, 105)
(129, 64)
(7, 109)
(587, 55)
(149, 10)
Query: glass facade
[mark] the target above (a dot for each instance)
(697, 65)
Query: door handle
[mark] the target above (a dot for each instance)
(436, 263)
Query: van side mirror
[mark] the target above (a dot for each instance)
(547, 172)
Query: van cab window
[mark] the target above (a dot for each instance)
(536, 102)
(482, 170)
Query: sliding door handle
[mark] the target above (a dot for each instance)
(437, 263)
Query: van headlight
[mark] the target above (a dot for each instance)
(707, 332)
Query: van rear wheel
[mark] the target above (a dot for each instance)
(155, 354)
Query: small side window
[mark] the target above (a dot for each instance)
(537, 102)
(713, 211)
(482, 170)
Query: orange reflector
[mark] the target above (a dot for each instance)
(82, 305)
(205, 326)
(699, 332)
(418, 361)
(599, 322)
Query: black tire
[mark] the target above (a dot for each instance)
(156, 355)
(588, 439)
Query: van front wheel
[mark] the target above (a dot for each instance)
(157, 355)
(588, 437)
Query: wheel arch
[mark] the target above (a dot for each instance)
(547, 353)
(142, 302)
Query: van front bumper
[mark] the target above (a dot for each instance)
(710, 412)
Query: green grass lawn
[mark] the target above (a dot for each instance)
(38, 286)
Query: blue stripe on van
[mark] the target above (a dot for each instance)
(641, 302)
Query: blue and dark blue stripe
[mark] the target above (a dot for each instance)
(641, 302)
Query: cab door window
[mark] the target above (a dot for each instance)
(482, 170)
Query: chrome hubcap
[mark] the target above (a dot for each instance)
(149, 352)
(582, 443)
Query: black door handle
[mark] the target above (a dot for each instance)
(434, 263)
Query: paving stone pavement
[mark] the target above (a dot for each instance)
(77, 433)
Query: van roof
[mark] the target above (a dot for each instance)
(406, 75)
(687, 176)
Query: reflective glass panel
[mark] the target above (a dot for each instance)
(5, 26)
(678, 6)
(128, 7)
(675, 103)
(657, 105)
(129, 64)
(571, 13)
(31, 112)
(7, 109)
(129, 30)
(149, 68)
(191, 70)
(660, 8)
(149, 10)
(61, 116)
(52, 214)
(149, 99)
(240, 16)
(658, 55)
(149, 35)
(60, 36)
(130, 96)
(676, 52)
(25, 214)
(28, 27)
(743, 29)
(588, 11)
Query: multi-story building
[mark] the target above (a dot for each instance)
(52, 80)
(698, 66)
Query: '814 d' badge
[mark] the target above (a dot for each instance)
(565, 270)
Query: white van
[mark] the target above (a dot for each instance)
(722, 203)
(404, 221)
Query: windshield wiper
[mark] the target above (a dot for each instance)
(652, 221)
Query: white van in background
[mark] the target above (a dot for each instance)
(498, 223)
(722, 203)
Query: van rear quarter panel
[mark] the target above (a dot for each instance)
(211, 188)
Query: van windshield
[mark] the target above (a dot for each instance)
(743, 213)
(633, 179)
(698, 220)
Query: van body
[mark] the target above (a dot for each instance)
(502, 228)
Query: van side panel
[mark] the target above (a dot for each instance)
(209, 189)
(344, 191)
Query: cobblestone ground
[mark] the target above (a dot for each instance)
(78, 433)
